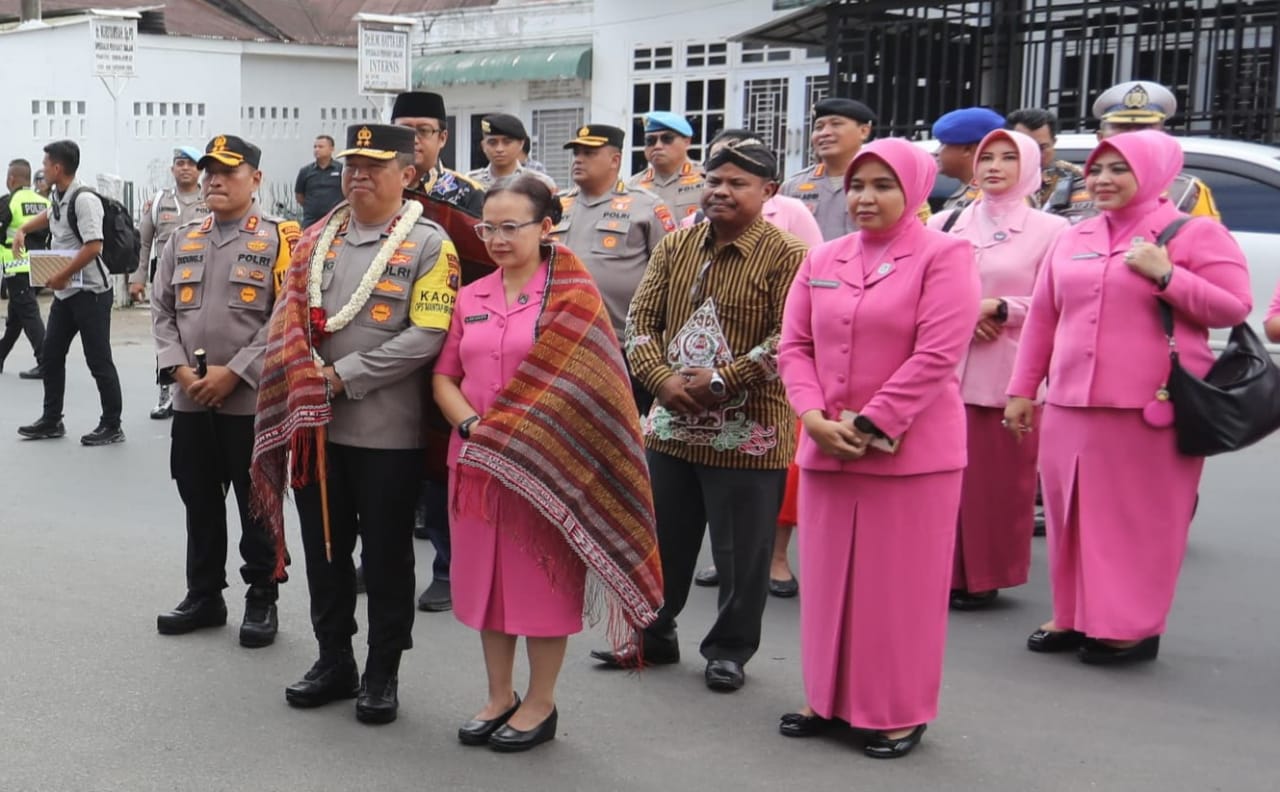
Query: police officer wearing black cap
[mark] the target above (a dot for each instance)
(840, 127)
(503, 143)
(424, 113)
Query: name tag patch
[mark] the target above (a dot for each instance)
(484, 317)
(824, 284)
(1079, 256)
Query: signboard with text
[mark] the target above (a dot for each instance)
(114, 46)
(384, 60)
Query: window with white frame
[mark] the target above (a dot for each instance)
(765, 53)
(335, 120)
(653, 58)
(696, 87)
(59, 118)
(551, 127)
(181, 121)
(705, 54)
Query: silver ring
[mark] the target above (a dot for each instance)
(1005, 423)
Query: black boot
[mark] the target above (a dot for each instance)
(193, 613)
(378, 702)
(333, 677)
(260, 622)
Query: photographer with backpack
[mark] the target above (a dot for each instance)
(82, 297)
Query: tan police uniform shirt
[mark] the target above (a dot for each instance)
(161, 216)
(824, 196)
(681, 192)
(614, 234)
(397, 332)
(215, 286)
(485, 178)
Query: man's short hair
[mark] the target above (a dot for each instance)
(332, 142)
(21, 168)
(1032, 118)
(66, 153)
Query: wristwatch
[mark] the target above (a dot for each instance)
(1002, 312)
(717, 386)
(464, 428)
(1163, 282)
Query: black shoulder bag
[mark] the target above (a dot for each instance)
(1236, 404)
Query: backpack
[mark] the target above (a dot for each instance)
(121, 242)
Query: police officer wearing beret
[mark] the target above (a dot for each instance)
(1141, 104)
(424, 113)
(387, 283)
(503, 143)
(670, 175)
(959, 133)
(214, 289)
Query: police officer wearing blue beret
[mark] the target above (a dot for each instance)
(671, 175)
(959, 133)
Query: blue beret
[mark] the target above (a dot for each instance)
(660, 120)
(189, 152)
(966, 125)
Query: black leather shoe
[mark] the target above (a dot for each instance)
(437, 598)
(629, 657)
(193, 613)
(882, 747)
(330, 679)
(707, 577)
(1047, 641)
(43, 429)
(36, 373)
(785, 589)
(105, 434)
(509, 740)
(260, 619)
(478, 732)
(795, 724)
(966, 601)
(1098, 653)
(725, 676)
(377, 702)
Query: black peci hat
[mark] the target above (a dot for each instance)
(419, 104)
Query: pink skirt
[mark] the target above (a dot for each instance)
(876, 557)
(997, 505)
(1118, 501)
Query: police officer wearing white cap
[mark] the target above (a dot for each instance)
(1142, 104)
(671, 175)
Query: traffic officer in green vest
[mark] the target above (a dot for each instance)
(671, 175)
(161, 216)
(19, 205)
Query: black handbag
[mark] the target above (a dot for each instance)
(1236, 404)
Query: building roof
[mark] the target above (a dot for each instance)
(297, 21)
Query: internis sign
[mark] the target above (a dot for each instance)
(384, 60)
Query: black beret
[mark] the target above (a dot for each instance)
(503, 124)
(849, 108)
(419, 104)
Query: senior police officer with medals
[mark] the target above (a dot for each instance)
(671, 175)
(213, 293)
(367, 300)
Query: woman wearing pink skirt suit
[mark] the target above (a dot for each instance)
(1118, 496)
(876, 324)
(997, 499)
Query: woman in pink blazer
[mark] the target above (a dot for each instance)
(876, 325)
(1010, 239)
(1118, 496)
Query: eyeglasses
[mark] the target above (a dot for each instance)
(506, 231)
(667, 139)
(426, 131)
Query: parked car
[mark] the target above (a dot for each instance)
(1245, 180)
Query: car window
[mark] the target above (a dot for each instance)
(1246, 204)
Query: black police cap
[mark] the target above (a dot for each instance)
(231, 151)
(378, 141)
(597, 135)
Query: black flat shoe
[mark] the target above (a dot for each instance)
(795, 724)
(882, 747)
(1098, 653)
(478, 732)
(725, 676)
(1047, 641)
(707, 577)
(965, 601)
(784, 589)
(509, 740)
(630, 657)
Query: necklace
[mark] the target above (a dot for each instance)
(323, 325)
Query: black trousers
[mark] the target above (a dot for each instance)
(433, 503)
(89, 315)
(372, 493)
(740, 507)
(210, 454)
(23, 316)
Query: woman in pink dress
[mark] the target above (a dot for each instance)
(1010, 239)
(875, 327)
(1118, 496)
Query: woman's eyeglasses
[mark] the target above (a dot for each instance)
(667, 138)
(506, 231)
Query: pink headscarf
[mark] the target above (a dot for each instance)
(1009, 209)
(1155, 159)
(915, 170)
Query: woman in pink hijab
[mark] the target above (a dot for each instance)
(1118, 496)
(1010, 240)
(875, 326)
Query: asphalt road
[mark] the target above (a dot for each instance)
(91, 698)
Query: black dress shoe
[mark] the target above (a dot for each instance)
(437, 598)
(377, 702)
(707, 577)
(193, 613)
(630, 656)
(43, 429)
(966, 601)
(883, 747)
(260, 619)
(330, 679)
(36, 373)
(509, 740)
(478, 732)
(1098, 653)
(105, 434)
(1047, 641)
(725, 676)
(795, 724)
(785, 589)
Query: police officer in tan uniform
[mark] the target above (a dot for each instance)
(214, 291)
(840, 127)
(503, 142)
(374, 367)
(161, 216)
(670, 175)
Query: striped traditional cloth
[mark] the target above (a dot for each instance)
(563, 441)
